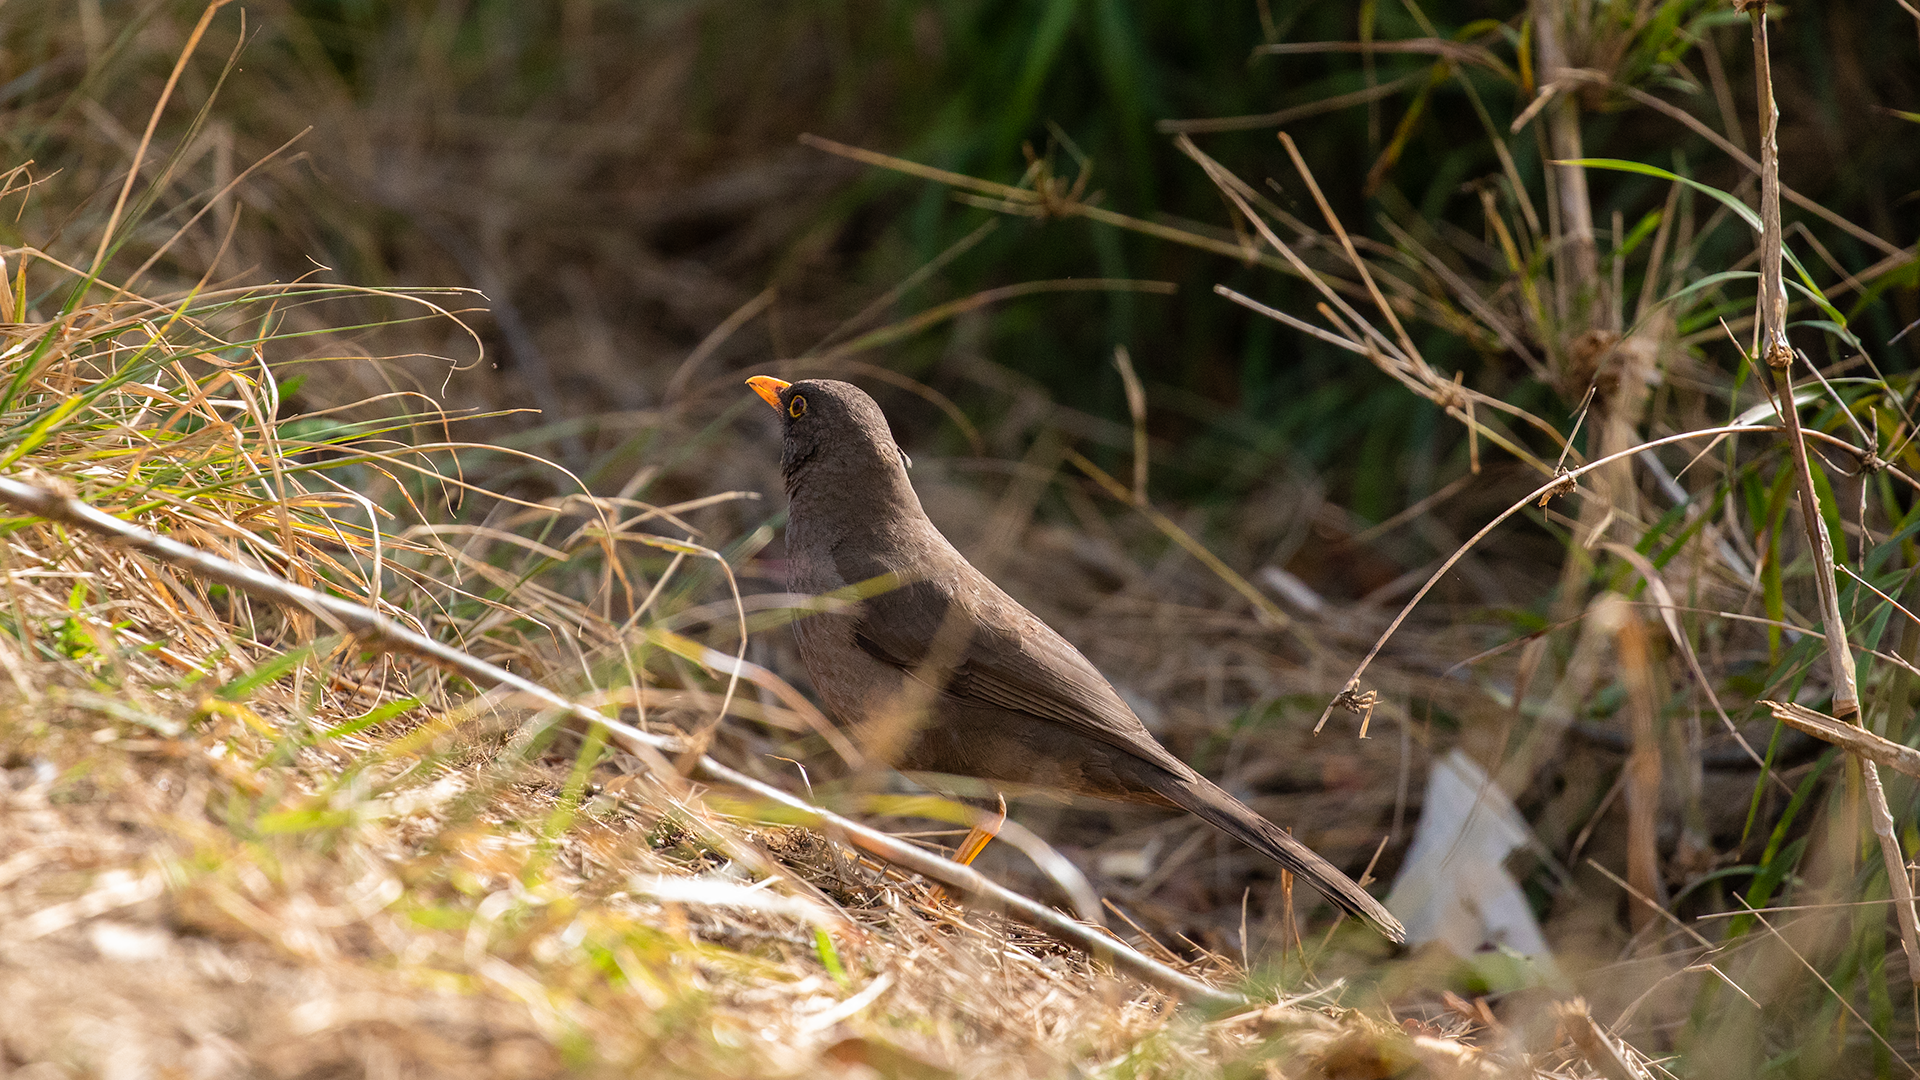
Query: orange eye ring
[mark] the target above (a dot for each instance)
(797, 407)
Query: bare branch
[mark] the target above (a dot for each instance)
(1849, 737)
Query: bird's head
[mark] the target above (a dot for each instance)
(832, 428)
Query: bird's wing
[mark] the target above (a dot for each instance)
(998, 655)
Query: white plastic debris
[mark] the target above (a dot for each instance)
(1454, 888)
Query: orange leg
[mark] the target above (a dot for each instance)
(981, 834)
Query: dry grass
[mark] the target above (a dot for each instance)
(234, 846)
(189, 903)
(197, 887)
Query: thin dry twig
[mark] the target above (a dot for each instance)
(1212, 124)
(1849, 737)
(1032, 203)
(1779, 355)
(146, 137)
(1264, 608)
(1566, 482)
(1837, 995)
(1664, 603)
(1137, 407)
(1600, 1051)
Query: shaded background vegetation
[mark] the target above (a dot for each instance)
(618, 178)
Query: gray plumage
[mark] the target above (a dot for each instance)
(945, 672)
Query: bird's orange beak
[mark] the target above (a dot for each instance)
(768, 388)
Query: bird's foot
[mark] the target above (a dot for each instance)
(979, 837)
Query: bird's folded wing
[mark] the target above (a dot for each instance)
(1023, 668)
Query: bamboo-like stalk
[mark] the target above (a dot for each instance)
(1577, 257)
(1779, 355)
(378, 631)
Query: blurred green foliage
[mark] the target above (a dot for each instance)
(977, 86)
(1002, 81)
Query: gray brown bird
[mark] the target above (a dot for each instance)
(940, 671)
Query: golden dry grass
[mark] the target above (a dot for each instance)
(236, 845)
(224, 863)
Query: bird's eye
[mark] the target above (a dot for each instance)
(797, 407)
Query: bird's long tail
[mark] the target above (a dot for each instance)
(1205, 799)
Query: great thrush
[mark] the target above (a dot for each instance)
(940, 671)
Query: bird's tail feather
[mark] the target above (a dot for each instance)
(1206, 800)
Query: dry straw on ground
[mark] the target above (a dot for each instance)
(301, 869)
(238, 843)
